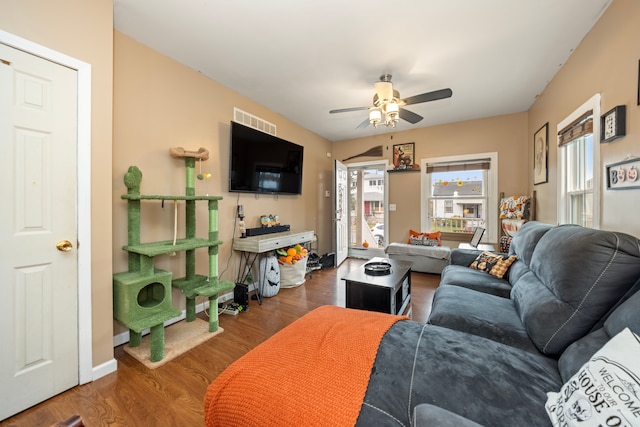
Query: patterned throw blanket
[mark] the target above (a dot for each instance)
(313, 372)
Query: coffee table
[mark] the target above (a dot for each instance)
(389, 293)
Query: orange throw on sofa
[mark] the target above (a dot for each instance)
(313, 372)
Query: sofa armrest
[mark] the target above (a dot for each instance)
(464, 256)
(426, 415)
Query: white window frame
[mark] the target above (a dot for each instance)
(592, 104)
(491, 233)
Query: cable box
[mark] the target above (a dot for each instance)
(259, 231)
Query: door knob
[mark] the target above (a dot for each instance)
(64, 245)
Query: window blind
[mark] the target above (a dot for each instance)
(583, 125)
(481, 164)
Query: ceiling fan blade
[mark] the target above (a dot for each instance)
(429, 96)
(410, 116)
(363, 125)
(346, 110)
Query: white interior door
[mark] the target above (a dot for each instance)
(38, 272)
(341, 194)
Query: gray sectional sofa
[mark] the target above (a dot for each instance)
(569, 291)
(489, 354)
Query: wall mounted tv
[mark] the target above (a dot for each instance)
(263, 163)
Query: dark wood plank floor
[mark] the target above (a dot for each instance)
(172, 395)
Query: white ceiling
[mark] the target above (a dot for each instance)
(303, 58)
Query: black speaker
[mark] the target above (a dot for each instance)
(241, 294)
(267, 230)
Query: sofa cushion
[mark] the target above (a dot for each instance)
(457, 275)
(481, 314)
(482, 380)
(438, 252)
(605, 390)
(626, 315)
(523, 245)
(576, 275)
(427, 415)
(494, 264)
(524, 242)
(580, 351)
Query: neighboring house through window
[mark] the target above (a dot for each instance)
(460, 193)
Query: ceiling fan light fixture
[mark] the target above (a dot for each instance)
(375, 116)
(384, 90)
(392, 113)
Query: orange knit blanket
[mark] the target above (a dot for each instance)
(313, 372)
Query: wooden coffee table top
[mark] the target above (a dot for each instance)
(398, 271)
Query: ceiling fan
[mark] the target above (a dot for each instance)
(387, 104)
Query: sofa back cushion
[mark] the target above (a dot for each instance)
(576, 276)
(522, 246)
(627, 315)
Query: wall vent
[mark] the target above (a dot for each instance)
(252, 121)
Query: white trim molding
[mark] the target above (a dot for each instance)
(593, 104)
(85, 342)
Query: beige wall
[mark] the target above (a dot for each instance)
(159, 104)
(83, 30)
(606, 62)
(505, 135)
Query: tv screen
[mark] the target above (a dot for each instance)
(263, 163)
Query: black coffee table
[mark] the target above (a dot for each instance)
(389, 293)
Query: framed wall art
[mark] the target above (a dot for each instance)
(623, 175)
(541, 155)
(404, 157)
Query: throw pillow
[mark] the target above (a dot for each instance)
(604, 392)
(494, 264)
(432, 236)
(422, 241)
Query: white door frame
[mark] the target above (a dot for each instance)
(85, 342)
(383, 164)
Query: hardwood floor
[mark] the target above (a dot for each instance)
(172, 395)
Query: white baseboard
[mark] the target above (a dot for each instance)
(123, 337)
(104, 369)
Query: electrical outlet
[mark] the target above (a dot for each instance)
(327, 193)
(392, 207)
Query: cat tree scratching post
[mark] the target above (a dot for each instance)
(142, 295)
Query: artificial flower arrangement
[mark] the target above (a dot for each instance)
(291, 255)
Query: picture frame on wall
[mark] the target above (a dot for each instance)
(404, 157)
(624, 175)
(541, 155)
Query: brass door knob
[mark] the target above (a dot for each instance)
(64, 245)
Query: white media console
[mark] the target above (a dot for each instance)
(271, 242)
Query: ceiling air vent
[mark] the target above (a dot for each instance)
(252, 121)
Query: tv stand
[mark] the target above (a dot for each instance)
(271, 242)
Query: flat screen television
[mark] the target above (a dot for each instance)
(263, 163)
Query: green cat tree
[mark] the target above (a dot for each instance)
(142, 295)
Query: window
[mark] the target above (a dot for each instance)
(579, 194)
(448, 206)
(459, 194)
(579, 179)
